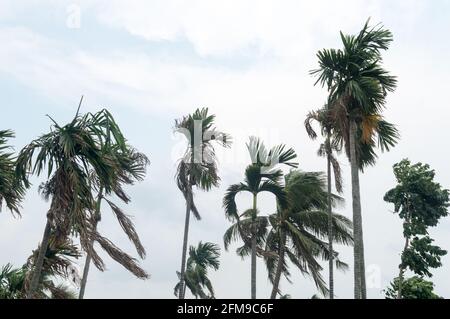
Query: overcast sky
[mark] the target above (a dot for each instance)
(150, 62)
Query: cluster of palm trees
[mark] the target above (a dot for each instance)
(88, 163)
(303, 218)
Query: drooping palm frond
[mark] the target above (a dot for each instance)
(201, 258)
(75, 161)
(300, 227)
(11, 190)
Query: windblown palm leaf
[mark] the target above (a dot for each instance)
(11, 191)
(297, 230)
(202, 257)
(71, 155)
(262, 175)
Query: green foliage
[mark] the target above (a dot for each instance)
(412, 288)
(11, 190)
(420, 202)
(78, 158)
(358, 85)
(202, 257)
(14, 282)
(302, 227)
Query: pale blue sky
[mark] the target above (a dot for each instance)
(150, 62)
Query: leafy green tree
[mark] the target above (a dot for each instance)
(262, 175)
(202, 257)
(70, 155)
(197, 167)
(420, 202)
(358, 85)
(297, 230)
(411, 288)
(327, 149)
(11, 191)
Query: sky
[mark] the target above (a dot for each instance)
(151, 62)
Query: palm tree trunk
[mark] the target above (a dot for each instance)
(253, 262)
(276, 282)
(87, 263)
(39, 262)
(359, 267)
(185, 244)
(330, 222)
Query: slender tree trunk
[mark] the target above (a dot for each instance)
(87, 263)
(37, 267)
(330, 222)
(276, 282)
(359, 267)
(253, 262)
(402, 269)
(185, 245)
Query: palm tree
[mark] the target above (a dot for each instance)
(263, 175)
(57, 265)
(132, 167)
(71, 154)
(358, 86)
(202, 257)
(298, 229)
(11, 192)
(197, 167)
(324, 118)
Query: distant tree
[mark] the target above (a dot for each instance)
(411, 288)
(420, 202)
(202, 257)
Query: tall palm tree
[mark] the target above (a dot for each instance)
(70, 154)
(11, 192)
(202, 257)
(358, 85)
(327, 149)
(298, 229)
(262, 175)
(197, 167)
(131, 168)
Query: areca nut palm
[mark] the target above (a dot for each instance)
(262, 175)
(358, 85)
(198, 166)
(298, 230)
(327, 149)
(69, 154)
(204, 256)
(11, 191)
(131, 168)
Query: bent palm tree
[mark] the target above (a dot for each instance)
(71, 154)
(202, 257)
(11, 191)
(298, 229)
(263, 175)
(131, 168)
(324, 118)
(358, 86)
(198, 167)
